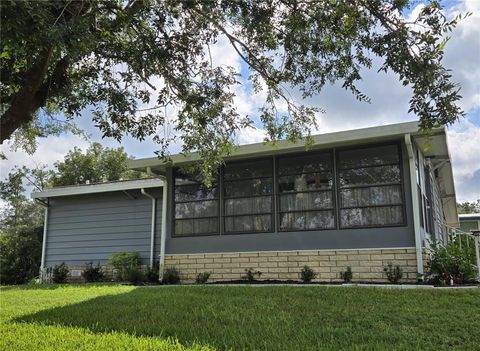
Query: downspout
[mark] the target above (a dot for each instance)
(163, 235)
(415, 205)
(152, 229)
(44, 240)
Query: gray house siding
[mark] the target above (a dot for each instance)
(92, 227)
(384, 237)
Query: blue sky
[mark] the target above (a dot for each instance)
(389, 105)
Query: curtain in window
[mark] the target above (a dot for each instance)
(196, 206)
(370, 187)
(248, 191)
(306, 192)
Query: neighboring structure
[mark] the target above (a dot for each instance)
(469, 222)
(361, 198)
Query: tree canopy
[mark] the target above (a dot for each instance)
(128, 61)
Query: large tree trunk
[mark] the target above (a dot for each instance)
(25, 102)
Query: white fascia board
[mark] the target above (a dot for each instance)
(98, 188)
(319, 141)
(469, 216)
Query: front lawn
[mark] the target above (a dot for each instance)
(106, 317)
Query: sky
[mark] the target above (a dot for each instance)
(389, 104)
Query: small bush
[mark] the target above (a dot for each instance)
(250, 275)
(151, 273)
(126, 264)
(202, 278)
(134, 275)
(92, 273)
(60, 273)
(307, 274)
(347, 275)
(450, 262)
(171, 276)
(394, 274)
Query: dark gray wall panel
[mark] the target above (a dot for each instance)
(92, 227)
(399, 236)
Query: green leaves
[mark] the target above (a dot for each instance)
(144, 68)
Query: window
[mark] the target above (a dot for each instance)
(248, 196)
(370, 187)
(305, 192)
(196, 206)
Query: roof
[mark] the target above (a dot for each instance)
(468, 216)
(98, 188)
(327, 140)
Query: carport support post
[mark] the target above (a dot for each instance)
(476, 236)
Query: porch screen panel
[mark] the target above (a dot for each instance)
(196, 206)
(370, 187)
(305, 192)
(248, 196)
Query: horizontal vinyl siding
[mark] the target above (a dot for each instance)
(86, 228)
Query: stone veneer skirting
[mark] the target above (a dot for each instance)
(367, 264)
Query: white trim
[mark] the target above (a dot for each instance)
(469, 215)
(320, 141)
(98, 188)
(415, 204)
(269, 251)
(152, 228)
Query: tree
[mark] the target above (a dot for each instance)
(18, 210)
(20, 254)
(96, 165)
(468, 207)
(130, 60)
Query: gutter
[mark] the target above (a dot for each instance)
(415, 205)
(44, 240)
(163, 235)
(152, 229)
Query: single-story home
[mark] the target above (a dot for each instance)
(361, 198)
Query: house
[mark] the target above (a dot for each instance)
(469, 222)
(360, 198)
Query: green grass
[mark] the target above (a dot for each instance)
(106, 317)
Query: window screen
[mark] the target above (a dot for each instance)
(305, 192)
(370, 187)
(196, 206)
(248, 196)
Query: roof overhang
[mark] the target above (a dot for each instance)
(469, 216)
(98, 188)
(321, 141)
(434, 147)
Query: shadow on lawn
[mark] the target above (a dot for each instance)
(189, 315)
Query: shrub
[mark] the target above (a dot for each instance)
(92, 273)
(450, 262)
(20, 254)
(394, 274)
(307, 274)
(60, 273)
(171, 276)
(347, 275)
(126, 264)
(134, 275)
(202, 278)
(151, 273)
(250, 275)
